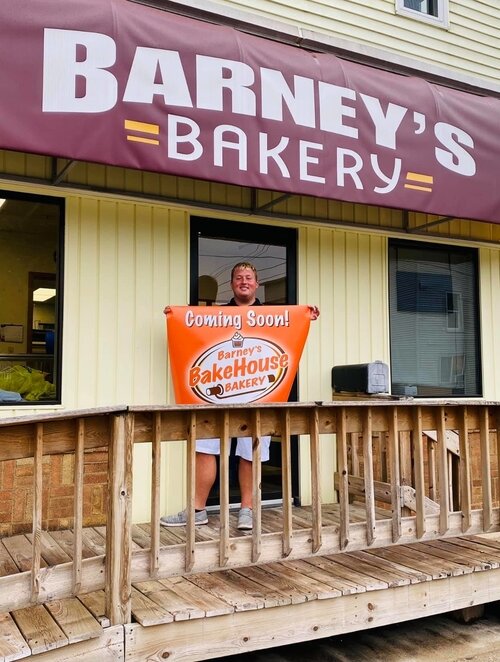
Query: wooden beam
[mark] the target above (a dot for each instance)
(343, 471)
(78, 505)
(224, 488)
(119, 528)
(37, 512)
(155, 494)
(315, 481)
(395, 477)
(286, 481)
(418, 453)
(484, 433)
(368, 476)
(465, 471)
(444, 497)
(191, 490)
(257, 485)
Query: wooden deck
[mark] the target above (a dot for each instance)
(213, 614)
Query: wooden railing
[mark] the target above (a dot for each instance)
(421, 469)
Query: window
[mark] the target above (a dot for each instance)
(434, 320)
(430, 11)
(31, 230)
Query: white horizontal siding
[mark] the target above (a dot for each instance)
(468, 46)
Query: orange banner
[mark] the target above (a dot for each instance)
(235, 354)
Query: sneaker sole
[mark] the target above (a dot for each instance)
(244, 527)
(173, 524)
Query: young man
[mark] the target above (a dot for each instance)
(244, 283)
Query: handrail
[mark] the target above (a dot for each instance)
(373, 444)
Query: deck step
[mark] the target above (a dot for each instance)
(40, 628)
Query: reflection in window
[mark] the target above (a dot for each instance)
(30, 319)
(434, 321)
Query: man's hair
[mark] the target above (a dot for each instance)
(244, 265)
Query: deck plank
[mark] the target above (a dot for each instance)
(360, 580)
(240, 599)
(12, 644)
(210, 604)
(481, 551)
(278, 581)
(39, 629)
(147, 612)
(356, 564)
(324, 585)
(418, 551)
(65, 540)
(74, 619)
(308, 588)
(247, 585)
(441, 552)
(423, 570)
(95, 602)
(21, 550)
(463, 554)
(7, 565)
(52, 552)
(386, 553)
(394, 570)
(179, 606)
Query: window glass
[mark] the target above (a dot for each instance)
(30, 302)
(432, 11)
(434, 320)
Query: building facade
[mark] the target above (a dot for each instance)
(406, 282)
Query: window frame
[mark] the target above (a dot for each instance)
(441, 20)
(457, 363)
(60, 203)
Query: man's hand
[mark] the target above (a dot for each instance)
(313, 312)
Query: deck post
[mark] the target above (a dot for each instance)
(119, 526)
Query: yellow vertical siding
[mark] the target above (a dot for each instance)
(124, 262)
(489, 287)
(345, 273)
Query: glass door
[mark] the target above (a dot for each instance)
(216, 246)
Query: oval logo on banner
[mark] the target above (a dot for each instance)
(239, 370)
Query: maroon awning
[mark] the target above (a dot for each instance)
(119, 83)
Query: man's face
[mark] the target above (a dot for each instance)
(244, 286)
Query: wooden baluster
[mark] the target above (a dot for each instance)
(78, 505)
(315, 480)
(286, 480)
(418, 452)
(225, 440)
(256, 495)
(368, 476)
(484, 423)
(119, 527)
(191, 491)
(405, 465)
(393, 449)
(431, 463)
(37, 513)
(497, 425)
(465, 469)
(444, 497)
(343, 477)
(154, 556)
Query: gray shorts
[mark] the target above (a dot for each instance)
(243, 447)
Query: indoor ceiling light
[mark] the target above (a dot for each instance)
(43, 294)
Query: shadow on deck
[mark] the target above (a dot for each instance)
(212, 614)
